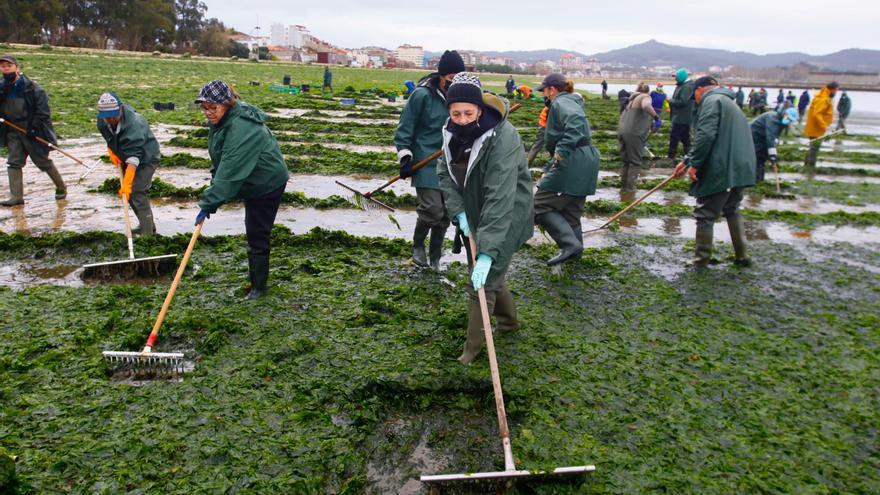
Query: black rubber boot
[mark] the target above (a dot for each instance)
(258, 268)
(419, 235)
(435, 246)
(561, 232)
(16, 187)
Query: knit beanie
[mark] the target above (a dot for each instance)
(465, 88)
(109, 106)
(450, 63)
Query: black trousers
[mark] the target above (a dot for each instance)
(259, 216)
(761, 156)
(680, 133)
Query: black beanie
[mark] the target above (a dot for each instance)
(450, 63)
(465, 88)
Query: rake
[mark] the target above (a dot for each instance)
(510, 472)
(56, 148)
(148, 363)
(365, 201)
(152, 266)
(632, 205)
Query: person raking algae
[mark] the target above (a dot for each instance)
(25, 104)
(819, 117)
(133, 148)
(418, 136)
(638, 118)
(766, 129)
(721, 165)
(571, 175)
(246, 163)
(488, 191)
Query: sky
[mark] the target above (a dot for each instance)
(765, 26)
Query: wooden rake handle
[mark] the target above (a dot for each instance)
(493, 365)
(433, 156)
(148, 347)
(47, 143)
(636, 202)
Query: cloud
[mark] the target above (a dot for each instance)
(749, 25)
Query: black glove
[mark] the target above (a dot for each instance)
(32, 133)
(406, 170)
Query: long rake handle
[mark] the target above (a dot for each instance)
(776, 173)
(128, 235)
(426, 161)
(493, 365)
(189, 249)
(47, 143)
(415, 167)
(826, 136)
(636, 202)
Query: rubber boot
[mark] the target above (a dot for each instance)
(435, 246)
(145, 226)
(505, 312)
(564, 236)
(60, 188)
(419, 235)
(632, 178)
(703, 250)
(625, 186)
(475, 336)
(258, 269)
(16, 187)
(738, 239)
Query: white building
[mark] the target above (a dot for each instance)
(293, 36)
(412, 54)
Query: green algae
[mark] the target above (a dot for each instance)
(717, 382)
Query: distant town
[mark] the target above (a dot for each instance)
(296, 44)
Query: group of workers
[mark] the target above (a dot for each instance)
(480, 183)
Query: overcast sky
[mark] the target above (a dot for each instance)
(758, 26)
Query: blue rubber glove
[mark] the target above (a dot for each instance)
(463, 225)
(481, 270)
(203, 214)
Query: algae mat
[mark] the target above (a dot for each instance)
(343, 379)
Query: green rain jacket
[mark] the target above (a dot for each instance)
(568, 135)
(246, 161)
(39, 116)
(844, 106)
(497, 192)
(766, 129)
(134, 139)
(723, 152)
(681, 104)
(419, 131)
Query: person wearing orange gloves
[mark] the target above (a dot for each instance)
(133, 148)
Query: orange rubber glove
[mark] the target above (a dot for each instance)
(127, 181)
(115, 160)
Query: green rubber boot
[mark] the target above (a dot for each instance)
(16, 187)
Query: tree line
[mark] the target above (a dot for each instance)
(140, 25)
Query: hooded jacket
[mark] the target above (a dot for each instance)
(766, 129)
(820, 114)
(134, 139)
(496, 194)
(844, 106)
(682, 103)
(635, 121)
(723, 152)
(246, 161)
(418, 131)
(39, 117)
(568, 136)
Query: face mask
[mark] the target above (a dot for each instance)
(10, 77)
(467, 132)
(547, 102)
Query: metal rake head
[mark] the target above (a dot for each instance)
(363, 201)
(145, 364)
